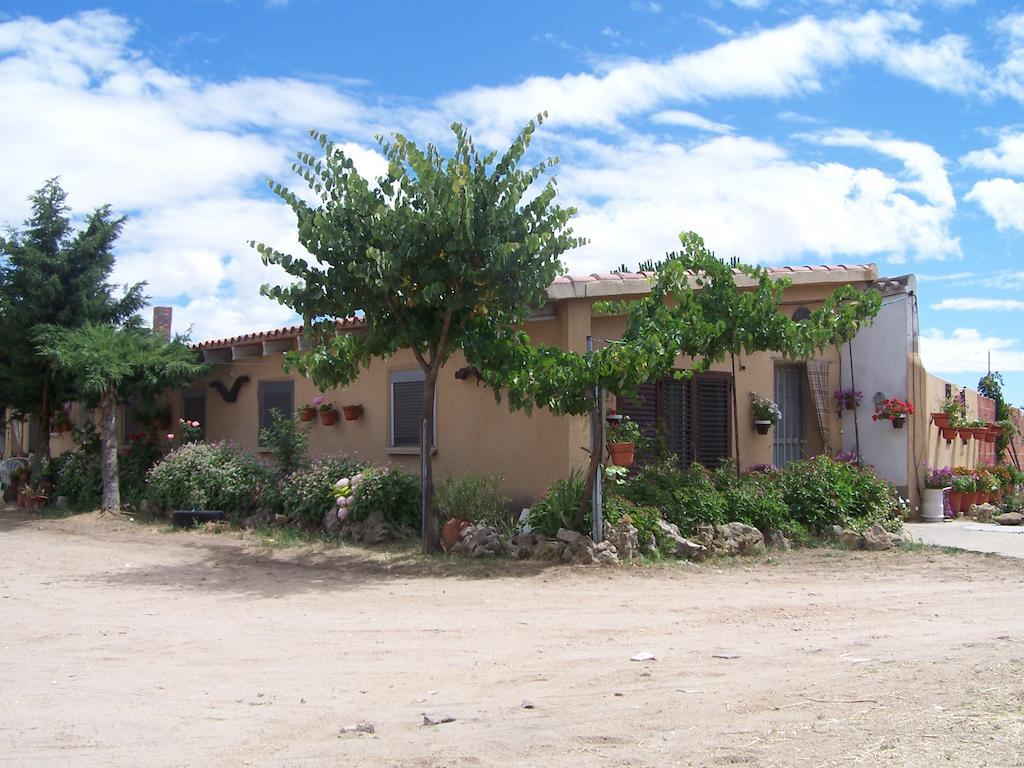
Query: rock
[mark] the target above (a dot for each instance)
(258, 519)
(331, 523)
(361, 727)
(643, 656)
(1009, 518)
(373, 530)
(282, 519)
(834, 533)
(567, 536)
(62, 503)
(776, 539)
(704, 535)
(527, 704)
(622, 536)
(876, 538)
(478, 541)
(521, 546)
(437, 719)
(983, 513)
(650, 546)
(605, 554)
(549, 551)
(851, 539)
(679, 545)
(901, 538)
(738, 539)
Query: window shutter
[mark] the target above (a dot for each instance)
(275, 395)
(407, 412)
(642, 408)
(193, 408)
(711, 443)
(677, 419)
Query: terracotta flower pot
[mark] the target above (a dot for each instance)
(991, 435)
(21, 499)
(956, 500)
(940, 420)
(948, 433)
(982, 497)
(899, 421)
(980, 433)
(352, 412)
(970, 499)
(965, 434)
(328, 418)
(307, 414)
(762, 427)
(621, 453)
(451, 532)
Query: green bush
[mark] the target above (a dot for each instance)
(758, 501)
(286, 440)
(76, 474)
(477, 498)
(210, 476)
(557, 507)
(1012, 503)
(686, 497)
(307, 493)
(821, 492)
(644, 519)
(390, 491)
(133, 465)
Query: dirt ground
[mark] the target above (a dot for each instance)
(126, 645)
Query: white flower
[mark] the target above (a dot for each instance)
(343, 513)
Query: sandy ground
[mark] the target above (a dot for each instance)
(127, 645)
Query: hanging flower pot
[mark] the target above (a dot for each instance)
(899, 421)
(762, 426)
(621, 454)
(352, 412)
(980, 433)
(307, 413)
(965, 434)
(328, 417)
(893, 410)
(991, 434)
(948, 433)
(940, 420)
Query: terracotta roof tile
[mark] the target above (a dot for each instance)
(288, 332)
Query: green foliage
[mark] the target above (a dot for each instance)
(216, 476)
(286, 439)
(644, 519)
(308, 492)
(821, 492)
(478, 498)
(51, 275)
(755, 499)
(557, 507)
(991, 386)
(964, 483)
(134, 463)
(76, 473)
(686, 497)
(624, 431)
(390, 491)
(1013, 503)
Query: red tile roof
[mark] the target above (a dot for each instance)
(278, 333)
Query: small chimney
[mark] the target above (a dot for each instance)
(162, 322)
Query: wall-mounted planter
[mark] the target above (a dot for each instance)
(899, 422)
(948, 433)
(980, 433)
(307, 414)
(328, 418)
(965, 434)
(621, 453)
(762, 426)
(940, 420)
(352, 412)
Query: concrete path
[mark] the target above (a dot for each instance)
(1003, 540)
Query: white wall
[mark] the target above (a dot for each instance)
(880, 354)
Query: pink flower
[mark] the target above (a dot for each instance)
(170, 435)
(319, 400)
(342, 513)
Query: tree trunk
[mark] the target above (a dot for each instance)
(108, 454)
(430, 537)
(39, 441)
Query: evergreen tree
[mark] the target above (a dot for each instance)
(51, 275)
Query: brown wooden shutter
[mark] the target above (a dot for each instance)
(643, 409)
(677, 419)
(711, 416)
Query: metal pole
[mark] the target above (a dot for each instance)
(597, 445)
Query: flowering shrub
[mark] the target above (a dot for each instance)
(216, 476)
(345, 494)
(847, 398)
(849, 457)
(308, 492)
(191, 431)
(764, 409)
(939, 478)
(390, 491)
(965, 483)
(893, 409)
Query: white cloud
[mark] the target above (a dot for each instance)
(966, 351)
(1006, 157)
(690, 120)
(1002, 199)
(647, 6)
(750, 4)
(946, 277)
(783, 61)
(968, 304)
(1009, 76)
(750, 199)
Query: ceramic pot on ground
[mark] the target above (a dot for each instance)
(451, 532)
(970, 499)
(931, 505)
(956, 500)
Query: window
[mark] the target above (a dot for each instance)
(406, 396)
(801, 314)
(193, 408)
(275, 395)
(691, 416)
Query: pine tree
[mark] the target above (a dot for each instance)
(51, 275)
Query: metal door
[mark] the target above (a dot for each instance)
(789, 396)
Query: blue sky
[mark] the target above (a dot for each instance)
(783, 132)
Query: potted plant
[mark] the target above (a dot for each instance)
(992, 431)
(936, 483)
(981, 486)
(963, 490)
(307, 412)
(328, 414)
(765, 412)
(979, 429)
(894, 411)
(993, 485)
(352, 412)
(847, 398)
(963, 429)
(622, 440)
(950, 409)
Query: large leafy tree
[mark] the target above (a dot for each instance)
(695, 309)
(51, 275)
(108, 364)
(437, 247)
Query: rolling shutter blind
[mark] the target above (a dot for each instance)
(279, 395)
(711, 443)
(642, 408)
(677, 417)
(406, 407)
